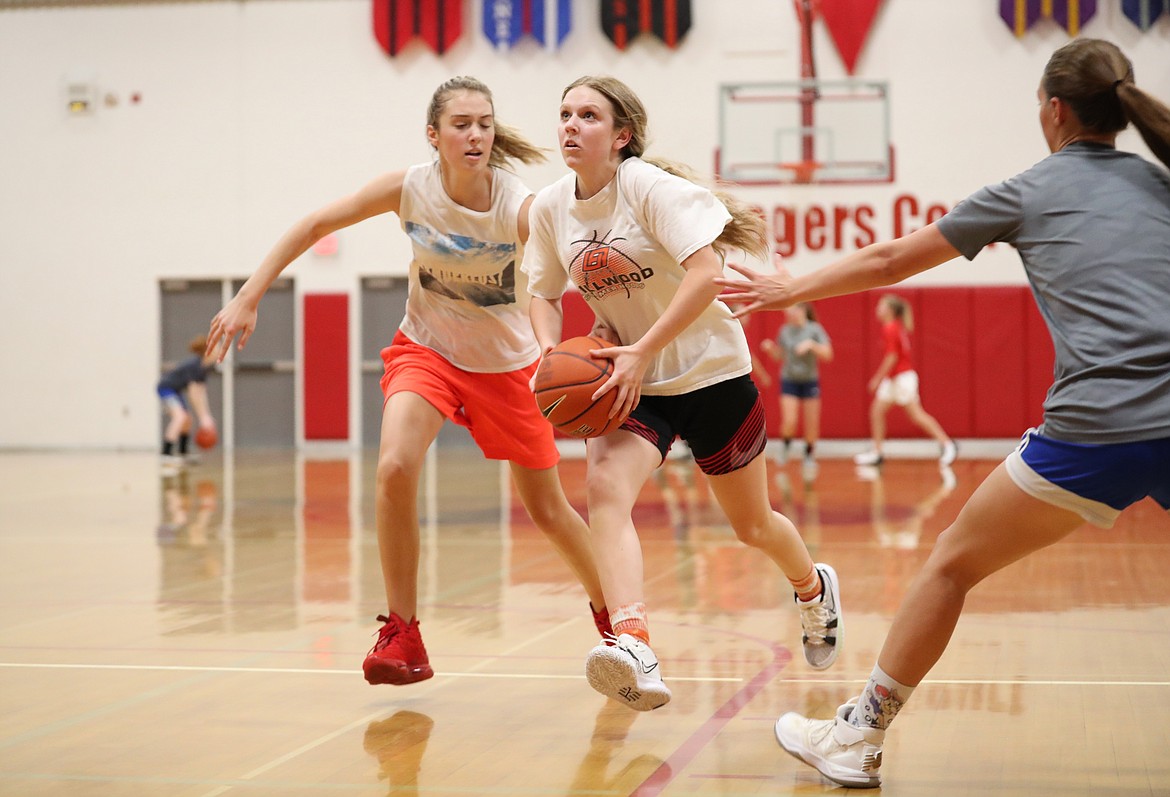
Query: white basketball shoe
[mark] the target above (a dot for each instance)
(627, 671)
(836, 748)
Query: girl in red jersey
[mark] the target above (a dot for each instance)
(896, 382)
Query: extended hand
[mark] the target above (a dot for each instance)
(756, 291)
(236, 318)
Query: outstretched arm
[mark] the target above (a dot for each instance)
(197, 392)
(381, 195)
(871, 267)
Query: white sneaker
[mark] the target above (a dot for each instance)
(872, 458)
(949, 452)
(170, 464)
(627, 671)
(809, 469)
(948, 478)
(837, 749)
(821, 620)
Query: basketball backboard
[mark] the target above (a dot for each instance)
(804, 131)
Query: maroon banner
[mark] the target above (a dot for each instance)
(849, 22)
(439, 23)
(622, 20)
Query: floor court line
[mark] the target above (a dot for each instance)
(308, 671)
(276, 786)
(431, 686)
(566, 677)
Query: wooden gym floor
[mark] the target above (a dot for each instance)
(202, 635)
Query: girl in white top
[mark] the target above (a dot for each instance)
(464, 351)
(644, 245)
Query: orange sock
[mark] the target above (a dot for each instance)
(630, 618)
(808, 587)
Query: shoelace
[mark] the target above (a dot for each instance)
(815, 621)
(387, 632)
(634, 651)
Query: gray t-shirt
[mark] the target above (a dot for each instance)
(1092, 227)
(800, 367)
(187, 371)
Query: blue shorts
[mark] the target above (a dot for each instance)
(802, 390)
(1095, 481)
(171, 398)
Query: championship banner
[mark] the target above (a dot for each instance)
(849, 22)
(1071, 15)
(622, 20)
(505, 22)
(1144, 13)
(439, 23)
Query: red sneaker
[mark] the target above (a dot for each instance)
(601, 620)
(398, 657)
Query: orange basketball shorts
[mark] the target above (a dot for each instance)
(498, 409)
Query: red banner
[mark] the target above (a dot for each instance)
(439, 23)
(849, 22)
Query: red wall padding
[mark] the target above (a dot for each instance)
(325, 514)
(326, 320)
(983, 355)
(578, 316)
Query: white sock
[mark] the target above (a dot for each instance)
(880, 701)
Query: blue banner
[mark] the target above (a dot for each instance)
(1144, 13)
(506, 22)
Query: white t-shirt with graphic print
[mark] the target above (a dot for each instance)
(623, 248)
(462, 293)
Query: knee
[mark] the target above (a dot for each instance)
(752, 531)
(954, 573)
(396, 475)
(550, 515)
(601, 485)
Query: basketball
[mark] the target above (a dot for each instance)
(206, 437)
(565, 383)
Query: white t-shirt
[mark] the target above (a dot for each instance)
(462, 295)
(623, 249)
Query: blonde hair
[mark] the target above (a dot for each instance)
(901, 310)
(746, 230)
(197, 344)
(509, 145)
(1096, 80)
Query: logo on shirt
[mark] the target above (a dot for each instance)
(599, 268)
(465, 269)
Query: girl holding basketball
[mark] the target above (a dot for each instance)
(187, 380)
(1092, 227)
(644, 245)
(464, 351)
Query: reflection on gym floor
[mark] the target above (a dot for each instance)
(202, 634)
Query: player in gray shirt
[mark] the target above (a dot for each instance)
(1092, 226)
(800, 346)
